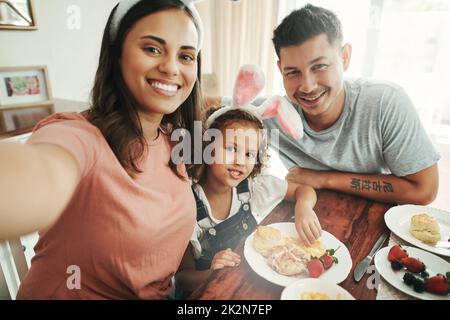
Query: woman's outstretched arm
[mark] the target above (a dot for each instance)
(36, 183)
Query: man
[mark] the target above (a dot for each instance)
(360, 137)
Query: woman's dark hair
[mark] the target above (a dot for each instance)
(305, 23)
(198, 171)
(114, 110)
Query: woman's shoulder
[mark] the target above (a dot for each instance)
(70, 120)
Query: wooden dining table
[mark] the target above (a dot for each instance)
(355, 221)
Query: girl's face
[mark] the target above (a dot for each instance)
(32, 82)
(159, 61)
(236, 155)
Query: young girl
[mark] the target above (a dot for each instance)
(98, 184)
(231, 193)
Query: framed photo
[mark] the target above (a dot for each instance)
(17, 14)
(18, 120)
(24, 87)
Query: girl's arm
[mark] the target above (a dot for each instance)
(304, 193)
(36, 184)
(306, 221)
(189, 278)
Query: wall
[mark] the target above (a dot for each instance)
(70, 54)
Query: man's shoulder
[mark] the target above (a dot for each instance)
(371, 87)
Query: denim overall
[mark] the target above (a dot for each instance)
(228, 233)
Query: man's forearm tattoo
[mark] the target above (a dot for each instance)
(368, 185)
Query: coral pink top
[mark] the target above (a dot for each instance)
(125, 237)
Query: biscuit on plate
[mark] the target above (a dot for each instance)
(425, 228)
(266, 238)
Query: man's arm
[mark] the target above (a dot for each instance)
(418, 188)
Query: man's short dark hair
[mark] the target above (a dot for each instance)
(304, 24)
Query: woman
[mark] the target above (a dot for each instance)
(115, 213)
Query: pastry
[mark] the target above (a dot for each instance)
(266, 238)
(425, 228)
(289, 259)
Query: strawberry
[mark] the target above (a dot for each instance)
(397, 253)
(327, 261)
(315, 268)
(437, 284)
(412, 264)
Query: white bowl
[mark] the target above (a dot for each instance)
(310, 285)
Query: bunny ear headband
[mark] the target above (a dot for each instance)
(125, 6)
(249, 83)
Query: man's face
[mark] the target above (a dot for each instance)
(313, 75)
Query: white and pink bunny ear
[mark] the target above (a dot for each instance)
(288, 118)
(249, 82)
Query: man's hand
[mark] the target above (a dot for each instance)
(307, 224)
(315, 179)
(225, 258)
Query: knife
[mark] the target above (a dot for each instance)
(361, 267)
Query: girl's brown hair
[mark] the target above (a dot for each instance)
(113, 107)
(198, 171)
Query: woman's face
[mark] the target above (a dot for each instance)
(159, 61)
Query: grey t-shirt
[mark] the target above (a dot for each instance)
(378, 131)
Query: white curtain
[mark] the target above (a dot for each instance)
(237, 33)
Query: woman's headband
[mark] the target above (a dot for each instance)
(125, 6)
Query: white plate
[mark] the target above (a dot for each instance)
(332, 290)
(398, 219)
(433, 263)
(336, 274)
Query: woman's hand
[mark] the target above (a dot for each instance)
(307, 224)
(225, 258)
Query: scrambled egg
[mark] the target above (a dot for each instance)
(315, 250)
(317, 296)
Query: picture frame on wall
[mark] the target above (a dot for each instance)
(17, 14)
(24, 86)
(25, 98)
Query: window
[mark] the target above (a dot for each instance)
(403, 41)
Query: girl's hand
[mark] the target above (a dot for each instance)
(225, 258)
(307, 224)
